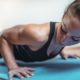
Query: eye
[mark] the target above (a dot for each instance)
(63, 31)
(75, 38)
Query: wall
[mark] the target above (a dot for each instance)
(14, 12)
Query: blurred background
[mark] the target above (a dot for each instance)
(13, 12)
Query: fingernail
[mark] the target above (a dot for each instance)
(77, 58)
(32, 74)
(28, 76)
(22, 77)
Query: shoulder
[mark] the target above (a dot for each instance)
(37, 31)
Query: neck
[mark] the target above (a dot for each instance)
(57, 38)
(58, 33)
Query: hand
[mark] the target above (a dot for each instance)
(20, 72)
(68, 52)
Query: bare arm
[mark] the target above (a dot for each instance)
(21, 34)
(7, 53)
(71, 51)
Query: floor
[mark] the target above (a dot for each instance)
(53, 69)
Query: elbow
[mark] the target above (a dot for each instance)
(3, 36)
(3, 40)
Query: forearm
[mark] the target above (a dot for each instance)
(73, 48)
(13, 68)
(7, 54)
(69, 51)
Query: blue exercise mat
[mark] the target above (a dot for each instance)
(53, 69)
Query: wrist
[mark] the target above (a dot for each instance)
(13, 67)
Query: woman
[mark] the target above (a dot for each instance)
(38, 42)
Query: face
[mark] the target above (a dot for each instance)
(70, 33)
(65, 35)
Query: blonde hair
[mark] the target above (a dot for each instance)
(73, 10)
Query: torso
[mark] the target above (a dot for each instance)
(34, 36)
(35, 44)
(37, 38)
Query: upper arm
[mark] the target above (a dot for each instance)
(12, 34)
(26, 33)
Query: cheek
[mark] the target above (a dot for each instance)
(60, 36)
(75, 33)
(68, 42)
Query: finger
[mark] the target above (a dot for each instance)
(25, 74)
(10, 76)
(29, 73)
(63, 56)
(74, 56)
(78, 55)
(30, 69)
(19, 75)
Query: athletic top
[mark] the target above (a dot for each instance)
(26, 54)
